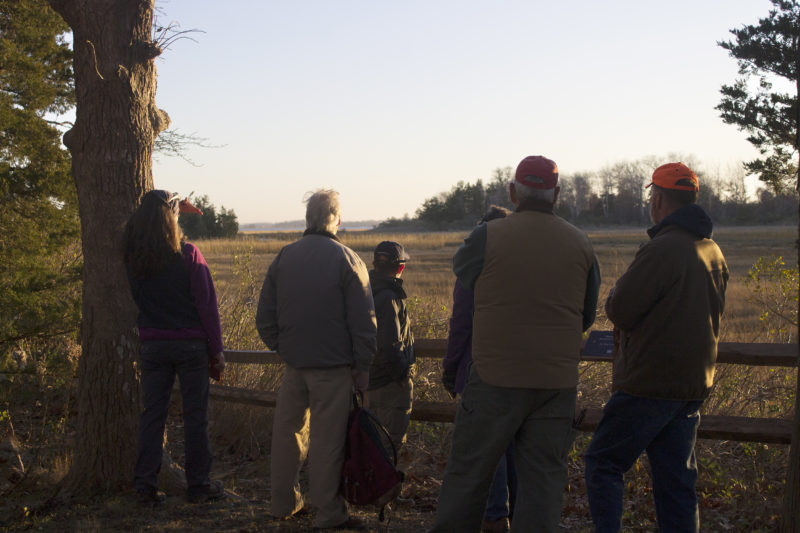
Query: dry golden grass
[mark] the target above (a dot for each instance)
(740, 484)
(429, 279)
(240, 264)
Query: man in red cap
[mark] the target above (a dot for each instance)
(535, 281)
(666, 311)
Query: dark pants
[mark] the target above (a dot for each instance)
(503, 490)
(159, 362)
(667, 430)
(489, 418)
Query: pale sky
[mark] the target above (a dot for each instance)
(392, 102)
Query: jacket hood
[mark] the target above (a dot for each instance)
(380, 282)
(691, 218)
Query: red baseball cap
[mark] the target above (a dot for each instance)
(675, 176)
(537, 172)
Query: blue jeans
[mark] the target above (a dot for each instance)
(489, 418)
(160, 361)
(666, 430)
(503, 490)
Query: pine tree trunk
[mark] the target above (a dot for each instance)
(111, 145)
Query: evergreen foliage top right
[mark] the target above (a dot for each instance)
(768, 53)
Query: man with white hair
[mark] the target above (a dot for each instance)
(535, 280)
(316, 310)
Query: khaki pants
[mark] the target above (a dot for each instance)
(318, 399)
(392, 405)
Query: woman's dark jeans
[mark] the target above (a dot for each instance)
(159, 362)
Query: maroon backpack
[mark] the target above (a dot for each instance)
(369, 473)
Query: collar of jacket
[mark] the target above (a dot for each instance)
(322, 233)
(380, 281)
(534, 204)
(691, 218)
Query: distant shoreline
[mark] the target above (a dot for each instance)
(265, 229)
(300, 225)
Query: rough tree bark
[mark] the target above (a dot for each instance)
(111, 145)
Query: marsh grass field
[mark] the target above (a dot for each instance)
(740, 485)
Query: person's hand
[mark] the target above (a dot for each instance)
(449, 382)
(218, 362)
(360, 379)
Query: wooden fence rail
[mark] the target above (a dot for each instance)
(719, 427)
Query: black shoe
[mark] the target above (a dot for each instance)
(212, 491)
(150, 498)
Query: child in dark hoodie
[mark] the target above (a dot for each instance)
(391, 389)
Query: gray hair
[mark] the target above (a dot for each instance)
(322, 210)
(524, 192)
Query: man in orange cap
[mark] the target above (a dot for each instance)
(666, 310)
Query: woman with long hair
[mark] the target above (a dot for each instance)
(180, 332)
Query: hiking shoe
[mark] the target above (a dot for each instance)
(150, 498)
(212, 491)
(498, 526)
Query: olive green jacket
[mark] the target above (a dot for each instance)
(667, 307)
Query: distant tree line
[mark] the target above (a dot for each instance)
(614, 195)
(211, 223)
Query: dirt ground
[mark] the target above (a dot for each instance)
(740, 488)
(755, 508)
(246, 507)
(234, 515)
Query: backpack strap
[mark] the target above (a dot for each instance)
(385, 433)
(358, 398)
(358, 402)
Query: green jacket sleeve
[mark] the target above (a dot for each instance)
(388, 324)
(468, 260)
(592, 292)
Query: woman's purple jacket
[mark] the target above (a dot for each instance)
(459, 340)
